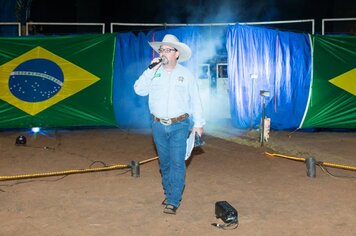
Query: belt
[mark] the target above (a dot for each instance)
(168, 121)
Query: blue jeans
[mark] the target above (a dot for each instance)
(171, 142)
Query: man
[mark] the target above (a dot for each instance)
(174, 103)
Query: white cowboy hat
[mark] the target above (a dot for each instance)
(184, 51)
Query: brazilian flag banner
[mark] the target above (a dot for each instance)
(332, 101)
(56, 81)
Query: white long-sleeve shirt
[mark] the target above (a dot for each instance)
(171, 94)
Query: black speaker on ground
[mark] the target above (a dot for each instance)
(226, 212)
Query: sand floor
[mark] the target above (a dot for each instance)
(272, 195)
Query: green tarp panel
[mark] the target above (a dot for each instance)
(332, 98)
(56, 81)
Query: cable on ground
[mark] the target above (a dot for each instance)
(346, 167)
(68, 172)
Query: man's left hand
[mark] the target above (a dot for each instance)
(198, 130)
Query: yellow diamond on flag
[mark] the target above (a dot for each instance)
(346, 81)
(38, 79)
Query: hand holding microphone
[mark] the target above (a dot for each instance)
(157, 61)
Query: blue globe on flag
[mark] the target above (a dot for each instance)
(36, 80)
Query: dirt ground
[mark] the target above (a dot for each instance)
(272, 195)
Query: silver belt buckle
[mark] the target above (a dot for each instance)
(165, 121)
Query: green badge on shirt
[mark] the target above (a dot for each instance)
(157, 75)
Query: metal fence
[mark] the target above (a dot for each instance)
(12, 25)
(61, 28)
(329, 26)
(339, 26)
(308, 25)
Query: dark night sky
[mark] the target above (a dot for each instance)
(188, 11)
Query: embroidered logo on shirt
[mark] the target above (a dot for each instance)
(156, 75)
(180, 78)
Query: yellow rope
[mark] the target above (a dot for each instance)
(68, 172)
(303, 159)
(284, 156)
(338, 166)
(148, 160)
(118, 166)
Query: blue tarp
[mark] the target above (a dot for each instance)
(280, 60)
(133, 55)
(271, 60)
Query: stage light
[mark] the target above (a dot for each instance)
(20, 140)
(36, 129)
(253, 76)
(265, 93)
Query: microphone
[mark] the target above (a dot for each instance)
(160, 59)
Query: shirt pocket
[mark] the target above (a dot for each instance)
(181, 89)
(157, 91)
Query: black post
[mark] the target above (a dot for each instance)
(311, 168)
(135, 169)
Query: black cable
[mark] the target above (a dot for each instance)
(129, 170)
(29, 181)
(58, 138)
(104, 164)
(227, 226)
(325, 170)
(45, 147)
(55, 180)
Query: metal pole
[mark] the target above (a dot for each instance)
(253, 77)
(251, 103)
(263, 94)
(263, 121)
